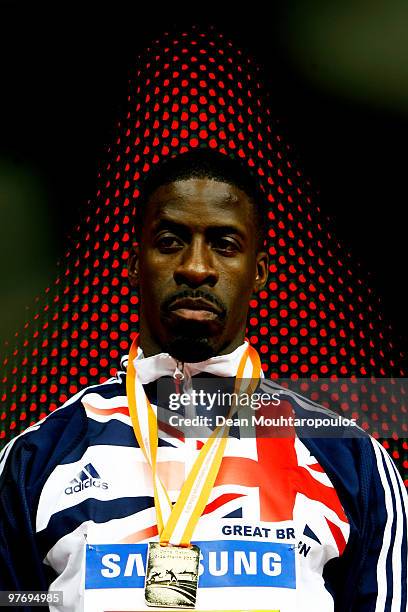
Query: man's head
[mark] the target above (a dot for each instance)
(200, 256)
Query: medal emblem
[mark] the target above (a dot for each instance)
(171, 576)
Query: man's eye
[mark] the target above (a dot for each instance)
(225, 245)
(167, 243)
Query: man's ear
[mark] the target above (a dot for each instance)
(133, 266)
(262, 270)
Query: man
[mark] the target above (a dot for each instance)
(286, 523)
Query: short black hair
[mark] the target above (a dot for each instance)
(205, 163)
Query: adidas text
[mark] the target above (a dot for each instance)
(86, 484)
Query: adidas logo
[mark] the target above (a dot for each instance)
(88, 477)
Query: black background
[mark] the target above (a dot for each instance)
(64, 74)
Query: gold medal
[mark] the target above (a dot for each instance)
(171, 576)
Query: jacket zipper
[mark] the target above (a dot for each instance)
(178, 375)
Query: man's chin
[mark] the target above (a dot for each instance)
(190, 349)
(190, 340)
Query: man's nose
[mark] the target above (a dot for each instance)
(196, 266)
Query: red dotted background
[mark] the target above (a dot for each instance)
(316, 318)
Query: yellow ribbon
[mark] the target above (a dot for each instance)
(176, 523)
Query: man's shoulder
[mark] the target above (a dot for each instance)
(45, 443)
(359, 467)
(311, 419)
(302, 404)
(336, 441)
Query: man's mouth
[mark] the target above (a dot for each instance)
(194, 309)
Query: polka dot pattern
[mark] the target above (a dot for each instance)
(317, 317)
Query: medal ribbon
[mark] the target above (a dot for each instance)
(176, 523)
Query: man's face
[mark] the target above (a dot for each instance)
(196, 269)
